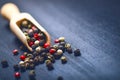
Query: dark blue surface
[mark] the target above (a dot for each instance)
(91, 25)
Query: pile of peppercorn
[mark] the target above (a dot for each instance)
(42, 52)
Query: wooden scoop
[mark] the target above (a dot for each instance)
(12, 13)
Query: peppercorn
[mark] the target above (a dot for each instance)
(77, 52)
(55, 46)
(36, 60)
(58, 54)
(31, 66)
(17, 75)
(22, 57)
(36, 36)
(31, 61)
(28, 38)
(69, 50)
(30, 32)
(26, 60)
(22, 68)
(16, 67)
(36, 42)
(62, 43)
(63, 59)
(60, 78)
(33, 39)
(52, 51)
(27, 65)
(56, 41)
(32, 74)
(35, 30)
(21, 63)
(38, 49)
(24, 30)
(29, 26)
(30, 56)
(15, 52)
(61, 47)
(42, 36)
(61, 39)
(67, 45)
(46, 45)
(49, 64)
(42, 42)
(26, 34)
(4, 63)
(59, 51)
(25, 53)
(41, 59)
(30, 43)
(33, 47)
(35, 53)
(51, 58)
(24, 23)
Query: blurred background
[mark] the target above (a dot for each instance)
(93, 26)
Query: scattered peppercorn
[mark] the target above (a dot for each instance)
(77, 52)
(32, 73)
(16, 67)
(69, 50)
(15, 51)
(4, 63)
(63, 59)
(17, 75)
(60, 78)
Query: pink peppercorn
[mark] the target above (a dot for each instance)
(56, 41)
(15, 51)
(17, 75)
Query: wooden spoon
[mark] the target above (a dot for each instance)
(12, 13)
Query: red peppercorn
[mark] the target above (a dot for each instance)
(57, 41)
(22, 57)
(30, 43)
(52, 51)
(46, 45)
(17, 74)
(36, 35)
(15, 51)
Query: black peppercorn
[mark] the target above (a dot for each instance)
(16, 67)
(49, 64)
(60, 78)
(42, 42)
(51, 58)
(69, 50)
(77, 52)
(4, 63)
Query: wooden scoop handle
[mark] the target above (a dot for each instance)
(9, 10)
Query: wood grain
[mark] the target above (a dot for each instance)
(91, 25)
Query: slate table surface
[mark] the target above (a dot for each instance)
(93, 26)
